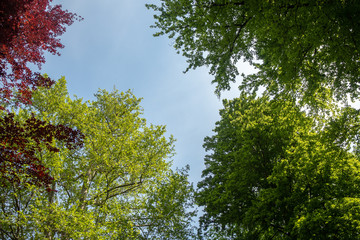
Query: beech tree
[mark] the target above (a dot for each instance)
(299, 47)
(19, 143)
(274, 172)
(28, 28)
(118, 186)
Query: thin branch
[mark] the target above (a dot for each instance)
(280, 229)
(238, 32)
(225, 4)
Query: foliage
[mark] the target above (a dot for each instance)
(118, 186)
(299, 47)
(28, 28)
(21, 141)
(275, 172)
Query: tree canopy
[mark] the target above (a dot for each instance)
(273, 172)
(275, 169)
(299, 47)
(28, 28)
(118, 186)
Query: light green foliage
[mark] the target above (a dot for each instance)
(274, 172)
(118, 186)
(299, 47)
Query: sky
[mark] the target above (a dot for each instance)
(114, 47)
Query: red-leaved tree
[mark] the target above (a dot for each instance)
(21, 141)
(28, 28)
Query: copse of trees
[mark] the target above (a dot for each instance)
(275, 173)
(78, 170)
(284, 165)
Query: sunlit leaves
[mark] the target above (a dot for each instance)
(118, 186)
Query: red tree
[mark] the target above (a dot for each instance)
(21, 141)
(27, 29)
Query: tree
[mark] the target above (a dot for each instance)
(299, 47)
(19, 143)
(118, 186)
(28, 28)
(274, 172)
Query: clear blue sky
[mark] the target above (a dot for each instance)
(114, 46)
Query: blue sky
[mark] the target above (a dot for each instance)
(114, 46)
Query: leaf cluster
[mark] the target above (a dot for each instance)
(299, 47)
(28, 28)
(20, 141)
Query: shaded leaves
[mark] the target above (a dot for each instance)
(21, 141)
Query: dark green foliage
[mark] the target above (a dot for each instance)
(275, 173)
(299, 47)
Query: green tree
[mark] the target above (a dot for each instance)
(274, 172)
(118, 186)
(299, 47)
